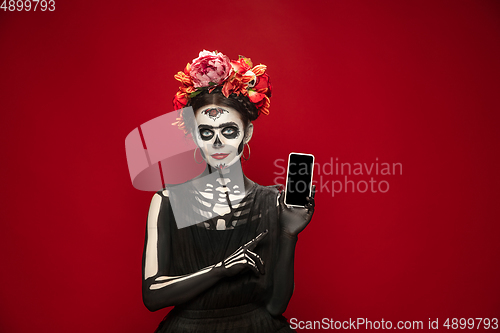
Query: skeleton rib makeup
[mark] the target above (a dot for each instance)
(219, 130)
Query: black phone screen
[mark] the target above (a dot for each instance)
(299, 179)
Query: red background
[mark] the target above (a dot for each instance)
(410, 82)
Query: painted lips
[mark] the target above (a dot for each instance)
(219, 156)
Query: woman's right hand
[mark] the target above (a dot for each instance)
(244, 258)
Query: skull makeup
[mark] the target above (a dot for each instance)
(220, 133)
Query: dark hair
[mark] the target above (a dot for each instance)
(240, 103)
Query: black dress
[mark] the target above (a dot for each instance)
(234, 304)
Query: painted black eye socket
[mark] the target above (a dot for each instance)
(206, 134)
(230, 132)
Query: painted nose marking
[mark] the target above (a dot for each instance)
(217, 142)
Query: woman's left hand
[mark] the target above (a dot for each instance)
(294, 219)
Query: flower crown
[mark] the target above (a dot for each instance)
(212, 69)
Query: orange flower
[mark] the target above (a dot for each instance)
(183, 78)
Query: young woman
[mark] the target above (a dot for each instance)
(231, 268)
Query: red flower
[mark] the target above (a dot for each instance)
(263, 84)
(242, 65)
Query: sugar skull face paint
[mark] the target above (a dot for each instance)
(214, 113)
(221, 135)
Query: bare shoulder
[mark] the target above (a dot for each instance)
(165, 192)
(156, 202)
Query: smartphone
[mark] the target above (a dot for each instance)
(299, 179)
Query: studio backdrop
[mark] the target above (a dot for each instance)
(397, 100)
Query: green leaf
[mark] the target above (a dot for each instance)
(212, 83)
(195, 93)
